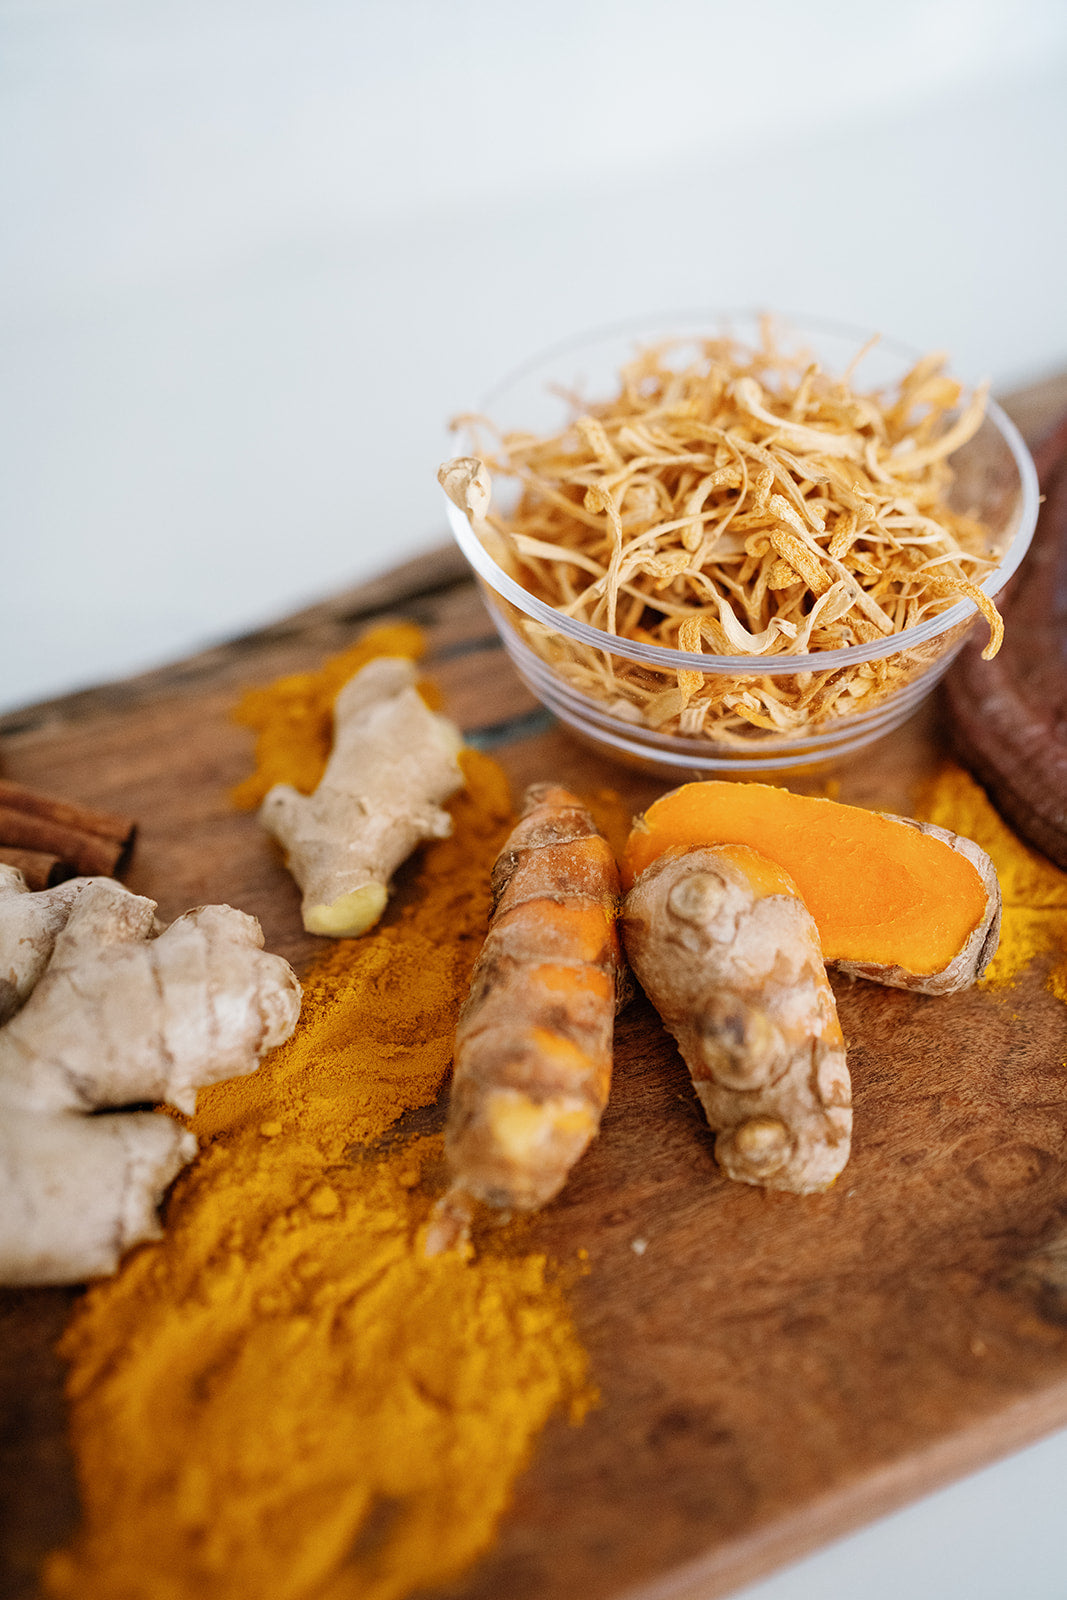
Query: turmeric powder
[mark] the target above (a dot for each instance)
(1034, 892)
(284, 1397)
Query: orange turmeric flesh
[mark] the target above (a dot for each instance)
(881, 891)
(764, 876)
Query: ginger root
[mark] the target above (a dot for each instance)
(901, 902)
(102, 1010)
(532, 1065)
(729, 955)
(393, 762)
(29, 924)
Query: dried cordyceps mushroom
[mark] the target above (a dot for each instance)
(747, 504)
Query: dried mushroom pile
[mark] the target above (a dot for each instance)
(745, 504)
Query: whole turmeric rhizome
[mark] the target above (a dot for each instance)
(729, 955)
(533, 1055)
(739, 895)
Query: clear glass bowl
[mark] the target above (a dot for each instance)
(995, 481)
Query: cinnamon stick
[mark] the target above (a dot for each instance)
(82, 819)
(40, 871)
(89, 842)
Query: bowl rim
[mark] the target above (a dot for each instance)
(664, 659)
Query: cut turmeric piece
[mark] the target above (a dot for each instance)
(729, 955)
(532, 1063)
(901, 902)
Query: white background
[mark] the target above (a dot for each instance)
(253, 253)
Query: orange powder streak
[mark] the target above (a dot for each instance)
(1034, 919)
(284, 1396)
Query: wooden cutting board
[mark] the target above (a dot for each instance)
(773, 1371)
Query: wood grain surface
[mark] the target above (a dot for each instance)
(774, 1371)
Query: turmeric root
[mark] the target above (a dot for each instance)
(393, 762)
(104, 1010)
(901, 902)
(728, 954)
(532, 1064)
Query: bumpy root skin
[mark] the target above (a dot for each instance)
(392, 765)
(119, 1013)
(729, 956)
(532, 1065)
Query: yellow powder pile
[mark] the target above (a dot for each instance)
(1034, 891)
(284, 1398)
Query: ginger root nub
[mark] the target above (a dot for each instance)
(393, 763)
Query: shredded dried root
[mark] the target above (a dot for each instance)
(746, 504)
